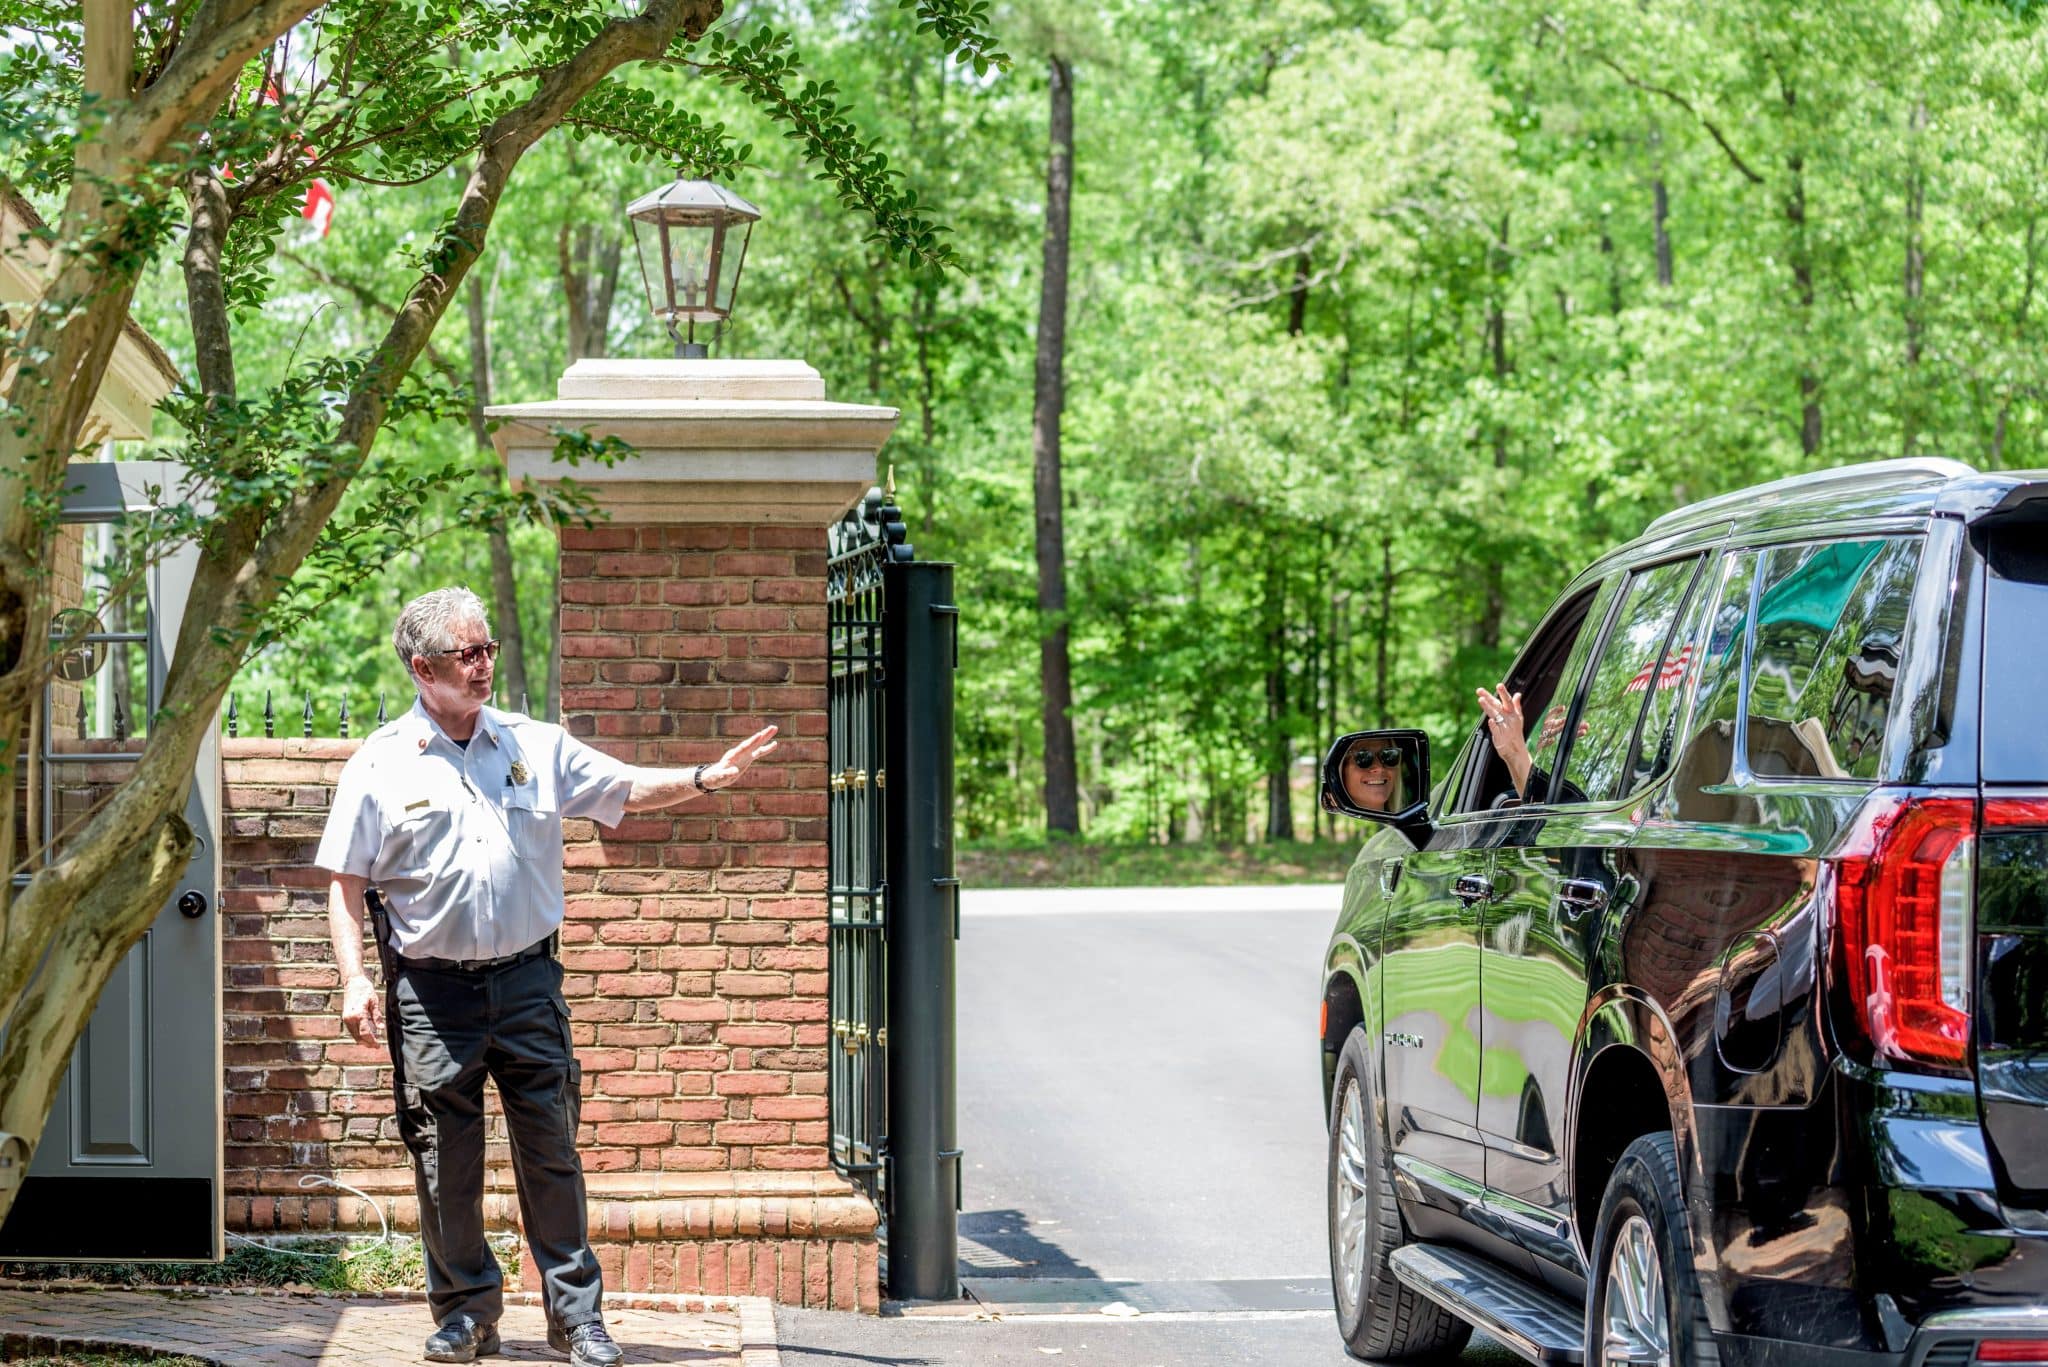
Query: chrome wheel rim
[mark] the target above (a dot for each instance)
(1347, 1200)
(1635, 1326)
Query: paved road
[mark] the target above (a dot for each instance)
(1140, 1106)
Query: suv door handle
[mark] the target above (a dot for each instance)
(1577, 896)
(1471, 887)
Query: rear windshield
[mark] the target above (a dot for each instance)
(2016, 655)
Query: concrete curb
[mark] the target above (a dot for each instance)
(758, 1345)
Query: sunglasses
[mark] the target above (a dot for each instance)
(1387, 757)
(472, 656)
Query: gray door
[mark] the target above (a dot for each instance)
(137, 1123)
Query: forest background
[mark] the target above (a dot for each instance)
(1383, 320)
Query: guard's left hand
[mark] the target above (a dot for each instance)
(736, 761)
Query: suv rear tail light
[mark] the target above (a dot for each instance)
(2013, 1350)
(1904, 887)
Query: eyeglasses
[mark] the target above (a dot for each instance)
(472, 656)
(1387, 757)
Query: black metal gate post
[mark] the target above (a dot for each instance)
(920, 651)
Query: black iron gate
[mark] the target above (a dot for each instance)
(894, 902)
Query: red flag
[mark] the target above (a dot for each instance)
(319, 210)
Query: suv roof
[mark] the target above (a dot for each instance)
(1918, 486)
(1928, 475)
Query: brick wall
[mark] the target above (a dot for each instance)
(694, 950)
(701, 932)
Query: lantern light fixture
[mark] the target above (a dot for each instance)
(693, 234)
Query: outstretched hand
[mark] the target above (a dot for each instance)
(1503, 712)
(1504, 725)
(727, 769)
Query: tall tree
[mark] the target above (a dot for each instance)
(504, 587)
(1055, 665)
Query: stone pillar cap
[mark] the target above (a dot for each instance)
(715, 441)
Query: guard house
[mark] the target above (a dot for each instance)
(138, 1121)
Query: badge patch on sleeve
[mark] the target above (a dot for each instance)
(416, 806)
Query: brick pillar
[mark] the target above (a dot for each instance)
(695, 946)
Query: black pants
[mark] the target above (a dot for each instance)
(449, 1030)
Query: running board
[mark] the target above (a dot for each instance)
(1525, 1318)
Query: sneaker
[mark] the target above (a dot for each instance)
(587, 1345)
(462, 1339)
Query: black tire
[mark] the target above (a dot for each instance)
(1378, 1316)
(1645, 1187)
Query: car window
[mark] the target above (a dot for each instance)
(1547, 718)
(1707, 758)
(1657, 737)
(1631, 668)
(1829, 619)
(1451, 778)
(1557, 654)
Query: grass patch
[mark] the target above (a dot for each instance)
(1076, 864)
(283, 1264)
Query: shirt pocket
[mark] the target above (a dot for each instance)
(533, 822)
(417, 842)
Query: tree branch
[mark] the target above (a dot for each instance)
(204, 296)
(223, 37)
(1680, 100)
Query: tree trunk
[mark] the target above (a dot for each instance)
(2019, 333)
(1613, 272)
(1297, 295)
(504, 589)
(922, 318)
(1495, 609)
(1913, 280)
(1802, 286)
(1382, 673)
(1280, 753)
(1062, 799)
(1660, 208)
(589, 264)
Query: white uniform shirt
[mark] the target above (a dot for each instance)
(465, 844)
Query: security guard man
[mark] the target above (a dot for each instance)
(453, 815)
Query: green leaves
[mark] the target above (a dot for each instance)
(962, 25)
(649, 128)
(764, 67)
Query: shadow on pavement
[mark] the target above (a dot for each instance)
(1003, 1243)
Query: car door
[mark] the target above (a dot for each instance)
(1557, 877)
(1430, 974)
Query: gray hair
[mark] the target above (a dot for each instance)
(423, 627)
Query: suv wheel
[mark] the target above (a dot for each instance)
(1645, 1299)
(1379, 1317)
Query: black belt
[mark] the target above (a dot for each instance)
(532, 951)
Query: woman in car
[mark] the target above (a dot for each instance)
(1372, 777)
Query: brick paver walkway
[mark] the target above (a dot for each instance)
(247, 1330)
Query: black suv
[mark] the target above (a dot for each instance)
(1727, 1040)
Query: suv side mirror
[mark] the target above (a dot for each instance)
(1380, 776)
